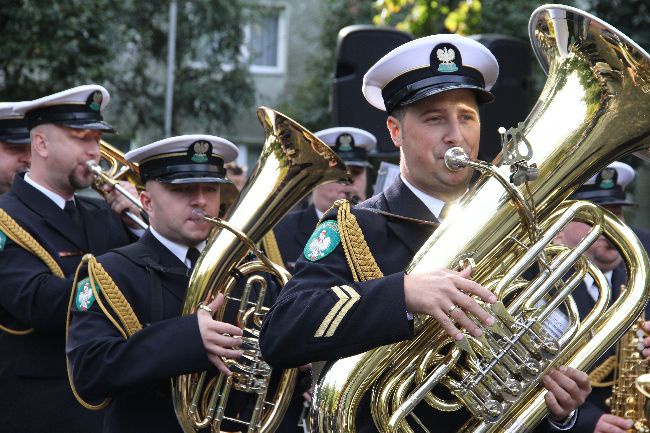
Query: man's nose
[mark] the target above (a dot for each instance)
(199, 198)
(453, 135)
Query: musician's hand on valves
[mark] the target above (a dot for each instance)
(120, 204)
(608, 423)
(445, 295)
(568, 388)
(220, 339)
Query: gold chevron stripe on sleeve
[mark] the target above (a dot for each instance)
(347, 298)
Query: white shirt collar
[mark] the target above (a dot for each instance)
(433, 204)
(176, 249)
(56, 198)
(319, 214)
(589, 284)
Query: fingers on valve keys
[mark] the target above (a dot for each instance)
(451, 297)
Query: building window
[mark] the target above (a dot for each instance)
(266, 39)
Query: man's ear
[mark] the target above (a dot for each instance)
(40, 143)
(395, 130)
(145, 199)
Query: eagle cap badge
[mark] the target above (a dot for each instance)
(607, 178)
(345, 142)
(199, 151)
(94, 101)
(443, 56)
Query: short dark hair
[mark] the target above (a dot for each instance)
(399, 113)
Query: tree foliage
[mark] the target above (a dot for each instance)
(51, 45)
(309, 101)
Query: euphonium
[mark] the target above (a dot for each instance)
(594, 108)
(291, 164)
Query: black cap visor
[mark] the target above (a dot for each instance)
(184, 178)
(14, 131)
(610, 197)
(482, 95)
(94, 125)
(22, 140)
(357, 163)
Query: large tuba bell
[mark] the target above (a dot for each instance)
(594, 108)
(291, 164)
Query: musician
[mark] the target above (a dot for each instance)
(607, 189)
(133, 365)
(431, 89)
(237, 174)
(353, 145)
(43, 211)
(14, 145)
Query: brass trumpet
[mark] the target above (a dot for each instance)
(119, 169)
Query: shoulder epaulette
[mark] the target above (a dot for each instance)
(22, 238)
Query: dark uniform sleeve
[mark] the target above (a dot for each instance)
(322, 314)
(30, 293)
(103, 363)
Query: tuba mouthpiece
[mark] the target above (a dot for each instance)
(198, 214)
(456, 159)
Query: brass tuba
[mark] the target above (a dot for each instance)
(291, 164)
(594, 108)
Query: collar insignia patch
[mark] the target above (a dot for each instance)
(3, 240)
(323, 241)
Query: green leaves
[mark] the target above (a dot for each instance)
(51, 45)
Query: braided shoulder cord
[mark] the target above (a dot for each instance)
(271, 248)
(114, 297)
(598, 374)
(126, 323)
(26, 241)
(362, 263)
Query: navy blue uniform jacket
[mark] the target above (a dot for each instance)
(136, 371)
(33, 379)
(292, 233)
(377, 318)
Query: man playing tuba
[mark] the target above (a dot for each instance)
(431, 89)
(127, 350)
